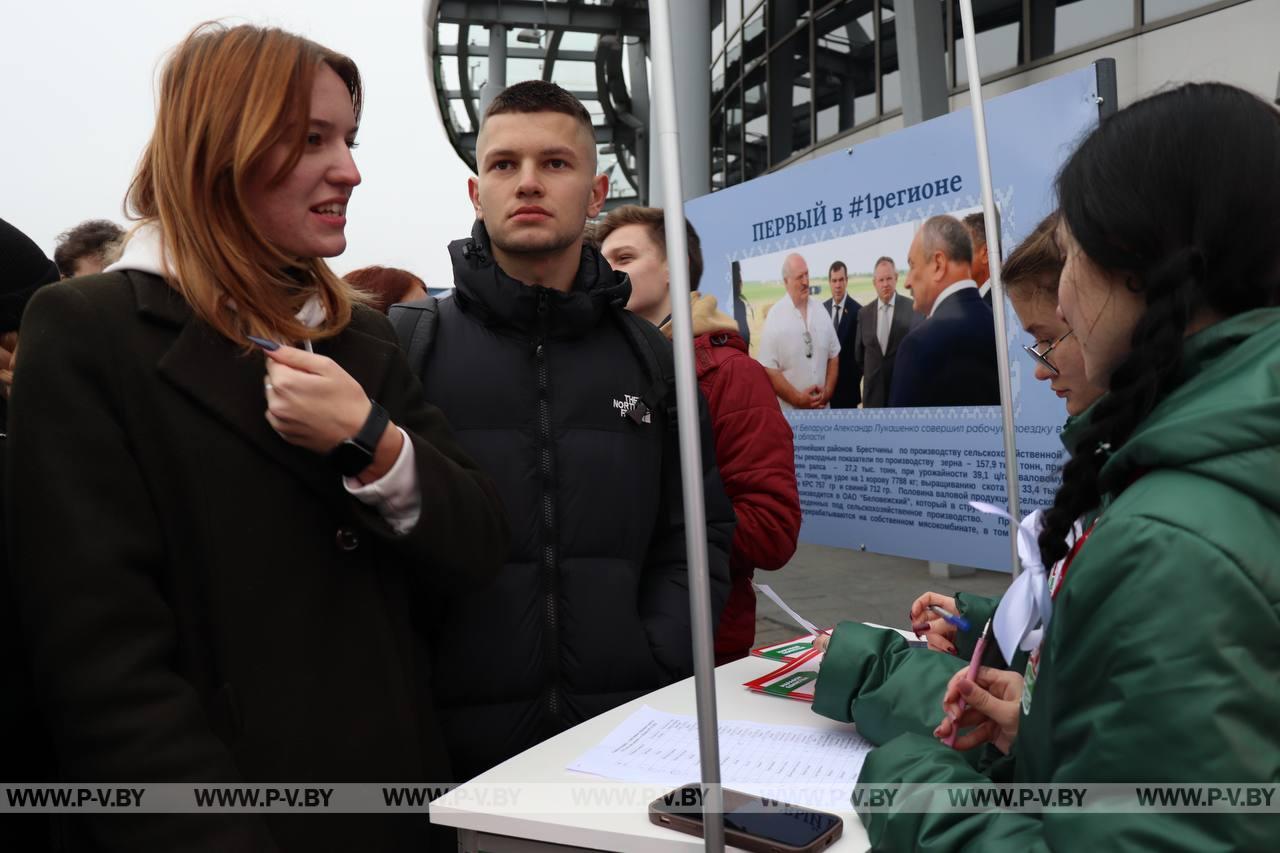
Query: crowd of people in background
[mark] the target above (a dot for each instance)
(249, 539)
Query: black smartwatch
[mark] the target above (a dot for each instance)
(356, 453)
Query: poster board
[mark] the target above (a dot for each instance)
(898, 480)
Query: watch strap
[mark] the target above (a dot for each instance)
(354, 454)
(374, 425)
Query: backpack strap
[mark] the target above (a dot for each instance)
(415, 324)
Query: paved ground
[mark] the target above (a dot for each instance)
(826, 585)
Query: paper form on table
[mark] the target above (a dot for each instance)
(769, 760)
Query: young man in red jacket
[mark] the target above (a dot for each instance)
(753, 440)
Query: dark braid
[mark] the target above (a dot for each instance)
(1158, 194)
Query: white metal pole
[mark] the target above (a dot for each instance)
(497, 67)
(997, 287)
(695, 516)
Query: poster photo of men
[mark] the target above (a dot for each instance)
(890, 318)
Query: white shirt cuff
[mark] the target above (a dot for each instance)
(396, 494)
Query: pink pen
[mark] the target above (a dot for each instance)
(972, 675)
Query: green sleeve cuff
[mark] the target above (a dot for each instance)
(914, 824)
(841, 675)
(977, 609)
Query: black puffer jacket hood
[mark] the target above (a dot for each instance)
(497, 299)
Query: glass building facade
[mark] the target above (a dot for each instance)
(788, 76)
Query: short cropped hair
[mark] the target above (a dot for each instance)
(977, 225)
(95, 237)
(948, 235)
(387, 285)
(539, 96)
(654, 220)
(883, 259)
(1035, 266)
(838, 265)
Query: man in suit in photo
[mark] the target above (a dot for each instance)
(881, 329)
(843, 311)
(981, 266)
(950, 358)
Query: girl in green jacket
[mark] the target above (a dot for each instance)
(1161, 662)
(1030, 277)
(894, 688)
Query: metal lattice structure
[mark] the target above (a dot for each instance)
(596, 49)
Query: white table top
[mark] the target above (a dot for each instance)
(549, 812)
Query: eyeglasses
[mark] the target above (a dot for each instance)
(1043, 357)
(808, 345)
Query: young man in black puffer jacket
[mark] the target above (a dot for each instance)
(546, 382)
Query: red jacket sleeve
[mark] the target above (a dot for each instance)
(756, 456)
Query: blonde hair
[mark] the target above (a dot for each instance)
(227, 96)
(1034, 267)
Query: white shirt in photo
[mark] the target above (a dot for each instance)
(782, 344)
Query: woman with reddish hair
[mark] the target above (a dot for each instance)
(227, 488)
(385, 286)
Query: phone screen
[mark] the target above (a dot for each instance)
(789, 825)
(769, 820)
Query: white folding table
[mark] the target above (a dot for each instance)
(549, 819)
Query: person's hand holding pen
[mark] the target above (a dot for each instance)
(312, 402)
(930, 625)
(989, 704)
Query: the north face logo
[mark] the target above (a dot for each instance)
(633, 407)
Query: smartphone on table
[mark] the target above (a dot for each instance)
(753, 823)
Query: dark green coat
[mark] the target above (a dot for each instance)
(1162, 661)
(878, 682)
(870, 676)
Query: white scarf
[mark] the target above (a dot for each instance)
(145, 252)
(1026, 607)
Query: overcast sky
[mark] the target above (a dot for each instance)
(79, 106)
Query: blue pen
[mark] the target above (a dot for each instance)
(270, 346)
(951, 618)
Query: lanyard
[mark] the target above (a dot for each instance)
(1055, 583)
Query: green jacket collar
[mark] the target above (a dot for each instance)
(1072, 429)
(1223, 420)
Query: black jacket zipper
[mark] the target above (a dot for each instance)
(550, 585)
